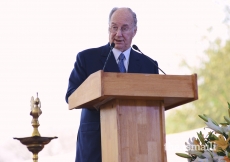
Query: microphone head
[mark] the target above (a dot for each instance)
(135, 47)
(112, 45)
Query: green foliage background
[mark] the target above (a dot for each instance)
(213, 88)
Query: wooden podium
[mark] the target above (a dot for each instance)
(132, 111)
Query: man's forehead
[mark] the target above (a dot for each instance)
(122, 11)
(125, 24)
(122, 14)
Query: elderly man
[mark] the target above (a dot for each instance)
(122, 29)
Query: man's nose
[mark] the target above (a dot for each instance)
(119, 32)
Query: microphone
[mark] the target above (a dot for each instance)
(111, 48)
(136, 48)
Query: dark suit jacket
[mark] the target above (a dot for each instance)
(88, 62)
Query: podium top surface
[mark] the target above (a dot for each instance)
(100, 87)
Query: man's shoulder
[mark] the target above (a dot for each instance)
(148, 65)
(142, 57)
(95, 49)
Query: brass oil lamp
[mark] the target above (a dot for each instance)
(35, 143)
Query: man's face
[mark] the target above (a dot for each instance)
(122, 29)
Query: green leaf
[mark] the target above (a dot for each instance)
(228, 149)
(184, 155)
(215, 137)
(212, 137)
(227, 119)
(201, 138)
(221, 153)
(224, 124)
(203, 117)
(214, 122)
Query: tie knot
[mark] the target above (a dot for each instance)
(121, 57)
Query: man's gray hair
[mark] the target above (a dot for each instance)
(133, 13)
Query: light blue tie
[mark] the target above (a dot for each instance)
(121, 63)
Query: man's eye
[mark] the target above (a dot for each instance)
(125, 28)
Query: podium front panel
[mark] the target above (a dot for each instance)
(133, 131)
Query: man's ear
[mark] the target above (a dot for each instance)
(135, 31)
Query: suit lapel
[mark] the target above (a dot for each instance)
(111, 65)
(134, 62)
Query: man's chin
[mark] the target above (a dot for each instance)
(119, 46)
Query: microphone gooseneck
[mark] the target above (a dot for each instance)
(111, 48)
(136, 48)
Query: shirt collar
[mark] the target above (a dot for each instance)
(117, 53)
